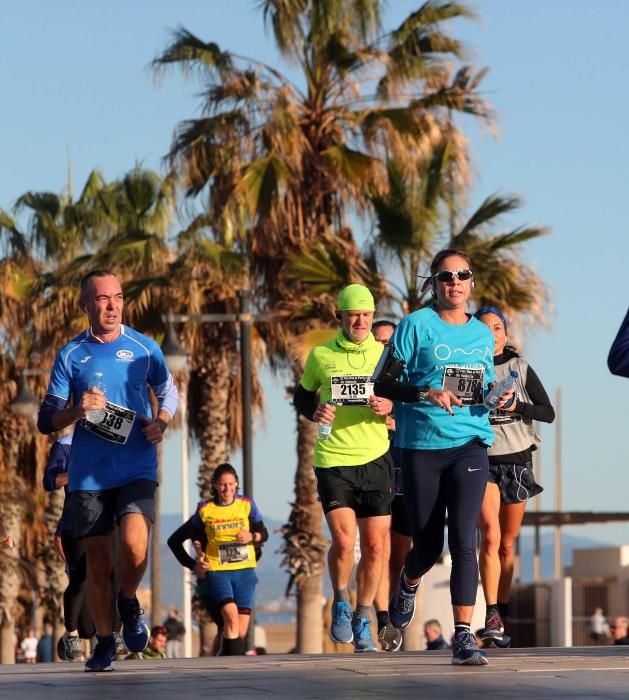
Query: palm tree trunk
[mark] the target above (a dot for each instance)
(305, 545)
(11, 513)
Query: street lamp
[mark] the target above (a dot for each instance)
(25, 404)
(177, 359)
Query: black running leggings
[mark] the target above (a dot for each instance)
(434, 481)
(75, 610)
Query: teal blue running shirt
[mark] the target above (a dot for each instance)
(116, 452)
(442, 355)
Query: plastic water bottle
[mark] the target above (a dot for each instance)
(96, 415)
(323, 429)
(500, 388)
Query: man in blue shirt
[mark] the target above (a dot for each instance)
(618, 360)
(113, 461)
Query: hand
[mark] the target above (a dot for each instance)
(324, 414)
(391, 423)
(203, 566)
(443, 398)
(245, 536)
(380, 406)
(505, 398)
(92, 400)
(153, 429)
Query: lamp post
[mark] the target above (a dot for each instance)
(177, 359)
(25, 404)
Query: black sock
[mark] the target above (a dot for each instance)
(461, 627)
(503, 609)
(233, 647)
(409, 587)
(341, 596)
(492, 610)
(103, 638)
(361, 611)
(383, 619)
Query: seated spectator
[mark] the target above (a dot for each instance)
(434, 638)
(620, 630)
(156, 648)
(176, 631)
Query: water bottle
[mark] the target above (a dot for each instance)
(96, 415)
(323, 429)
(500, 388)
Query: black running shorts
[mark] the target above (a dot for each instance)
(515, 481)
(366, 488)
(94, 513)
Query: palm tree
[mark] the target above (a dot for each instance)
(284, 163)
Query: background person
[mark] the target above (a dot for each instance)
(176, 631)
(226, 565)
(434, 636)
(28, 645)
(620, 630)
(156, 648)
(397, 544)
(511, 481)
(113, 461)
(353, 466)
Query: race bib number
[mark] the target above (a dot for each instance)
(466, 383)
(233, 553)
(351, 390)
(115, 425)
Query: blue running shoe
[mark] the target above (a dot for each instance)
(135, 633)
(341, 628)
(465, 651)
(103, 655)
(402, 605)
(363, 641)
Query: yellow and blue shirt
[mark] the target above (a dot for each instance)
(221, 524)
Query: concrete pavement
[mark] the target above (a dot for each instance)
(588, 672)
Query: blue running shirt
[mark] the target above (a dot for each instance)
(128, 364)
(442, 355)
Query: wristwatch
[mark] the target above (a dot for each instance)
(421, 392)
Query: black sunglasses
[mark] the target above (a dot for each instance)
(449, 275)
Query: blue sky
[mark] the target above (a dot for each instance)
(75, 83)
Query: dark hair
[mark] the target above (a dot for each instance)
(224, 468)
(158, 629)
(383, 322)
(90, 275)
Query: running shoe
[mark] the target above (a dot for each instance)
(402, 605)
(103, 656)
(69, 648)
(390, 638)
(465, 651)
(494, 628)
(121, 649)
(341, 627)
(363, 641)
(135, 633)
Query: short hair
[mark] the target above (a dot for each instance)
(435, 624)
(158, 629)
(90, 275)
(383, 322)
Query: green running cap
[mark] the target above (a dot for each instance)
(356, 297)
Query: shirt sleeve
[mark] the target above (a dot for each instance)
(162, 383)
(57, 464)
(311, 381)
(618, 359)
(187, 531)
(540, 407)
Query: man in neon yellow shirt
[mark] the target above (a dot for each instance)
(353, 467)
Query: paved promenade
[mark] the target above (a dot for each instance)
(601, 672)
